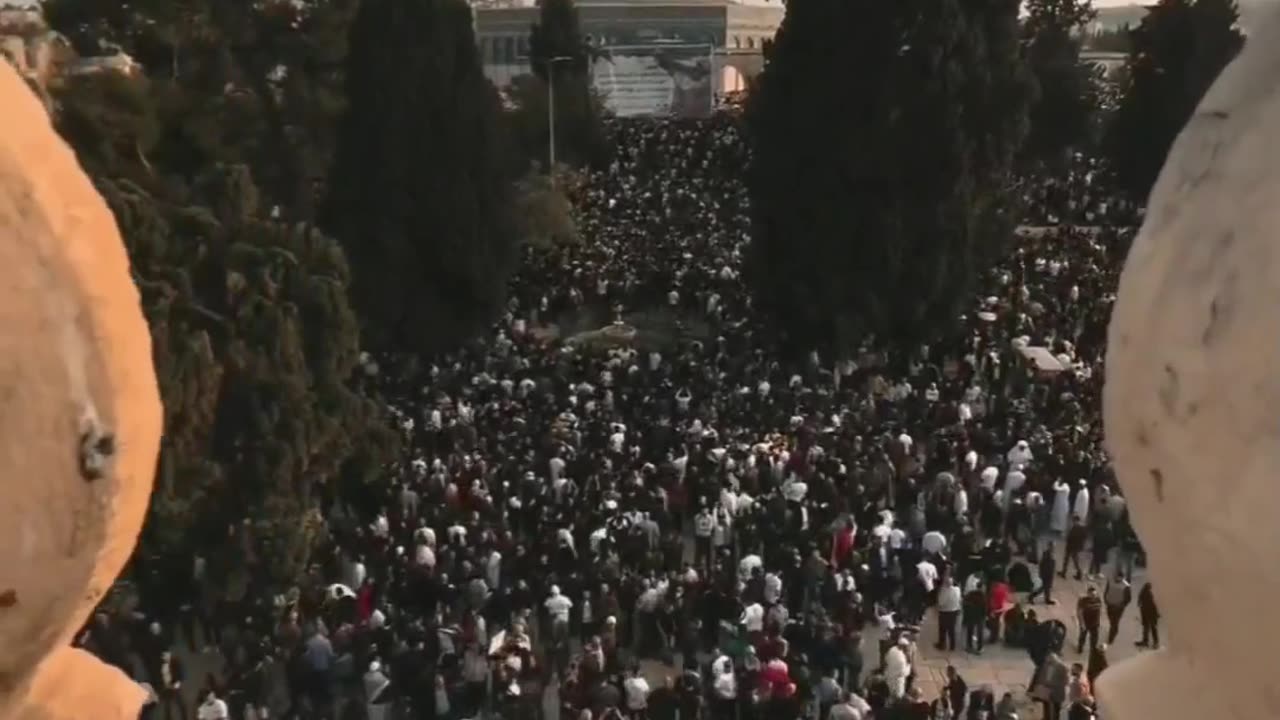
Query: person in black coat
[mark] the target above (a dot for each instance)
(1149, 614)
(1020, 578)
(168, 677)
(1048, 565)
(1077, 537)
(957, 691)
(974, 614)
(1097, 663)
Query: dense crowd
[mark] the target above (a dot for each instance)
(662, 520)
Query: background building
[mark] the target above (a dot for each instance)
(727, 37)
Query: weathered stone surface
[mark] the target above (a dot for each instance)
(80, 419)
(1193, 387)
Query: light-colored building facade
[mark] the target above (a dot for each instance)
(735, 32)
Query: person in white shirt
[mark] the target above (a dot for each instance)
(844, 711)
(704, 525)
(897, 668)
(933, 542)
(558, 606)
(424, 556)
(375, 683)
(989, 477)
(381, 527)
(356, 572)
(753, 618)
(772, 588)
(859, 704)
(493, 569)
(949, 604)
(1020, 454)
(724, 687)
(457, 534)
(213, 708)
(1081, 508)
(636, 691)
(897, 536)
(961, 506)
(564, 538)
(928, 573)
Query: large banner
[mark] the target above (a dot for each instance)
(656, 79)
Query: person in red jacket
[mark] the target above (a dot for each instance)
(364, 601)
(842, 545)
(997, 603)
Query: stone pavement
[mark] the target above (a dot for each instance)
(1007, 669)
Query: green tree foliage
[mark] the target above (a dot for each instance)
(1177, 52)
(255, 348)
(421, 187)
(110, 120)
(1066, 103)
(545, 213)
(560, 56)
(231, 83)
(884, 135)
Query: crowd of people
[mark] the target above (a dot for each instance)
(665, 521)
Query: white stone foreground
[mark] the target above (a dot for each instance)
(1192, 403)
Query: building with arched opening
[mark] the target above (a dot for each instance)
(648, 50)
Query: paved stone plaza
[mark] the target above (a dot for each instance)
(1001, 668)
(1007, 669)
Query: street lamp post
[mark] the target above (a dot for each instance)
(551, 113)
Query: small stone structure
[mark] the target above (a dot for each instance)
(80, 420)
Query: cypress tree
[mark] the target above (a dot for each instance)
(884, 135)
(255, 348)
(421, 185)
(1063, 115)
(559, 54)
(1175, 55)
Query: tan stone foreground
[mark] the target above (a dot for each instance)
(80, 420)
(1190, 403)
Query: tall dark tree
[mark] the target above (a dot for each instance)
(256, 351)
(421, 187)
(1176, 53)
(1066, 103)
(250, 83)
(884, 135)
(561, 59)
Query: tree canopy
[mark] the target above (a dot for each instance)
(884, 135)
(1063, 114)
(257, 84)
(255, 348)
(1176, 53)
(420, 190)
